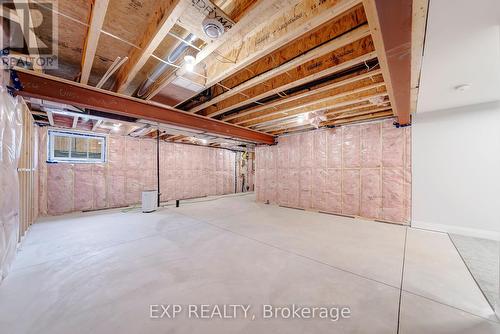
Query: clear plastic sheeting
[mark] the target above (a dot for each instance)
(10, 143)
(186, 171)
(359, 170)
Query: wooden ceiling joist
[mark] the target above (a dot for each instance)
(64, 91)
(99, 9)
(365, 92)
(162, 21)
(280, 24)
(96, 124)
(263, 91)
(391, 23)
(327, 95)
(280, 123)
(350, 119)
(332, 118)
(285, 26)
(297, 97)
(259, 12)
(341, 59)
(75, 122)
(50, 117)
(331, 107)
(322, 50)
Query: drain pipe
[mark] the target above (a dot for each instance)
(171, 58)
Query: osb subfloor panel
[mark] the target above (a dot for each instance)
(100, 272)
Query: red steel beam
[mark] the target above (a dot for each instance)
(63, 91)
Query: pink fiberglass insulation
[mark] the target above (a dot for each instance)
(306, 144)
(393, 141)
(270, 179)
(351, 146)
(83, 180)
(133, 155)
(99, 186)
(334, 148)
(334, 190)
(408, 174)
(319, 149)
(305, 184)
(371, 193)
(360, 170)
(294, 187)
(116, 181)
(186, 171)
(133, 186)
(371, 145)
(282, 187)
(319, 176)
(60, 188)
(283, 152)
(393, 194)
(294, 152)
(116, 152)
(351, 192)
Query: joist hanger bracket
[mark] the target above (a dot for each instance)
(14, 78)
(397, 125)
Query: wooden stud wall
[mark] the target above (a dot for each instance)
(28, 175)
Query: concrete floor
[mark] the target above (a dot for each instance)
(482, 258)
(100, 272)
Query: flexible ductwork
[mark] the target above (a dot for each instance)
(170, 59)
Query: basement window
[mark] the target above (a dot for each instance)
(76, 147)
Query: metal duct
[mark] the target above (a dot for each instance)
(160, 69)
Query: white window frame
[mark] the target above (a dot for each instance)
(50, 147)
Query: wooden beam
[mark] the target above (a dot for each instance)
(111, 70)
(162, 20)
(291, 98)
(327, 48)
(75, 122)
(96, 124)
(390, 23)
(419, 25)
(50, 117)
(24, 13)
(98, 13)
(64, 91)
